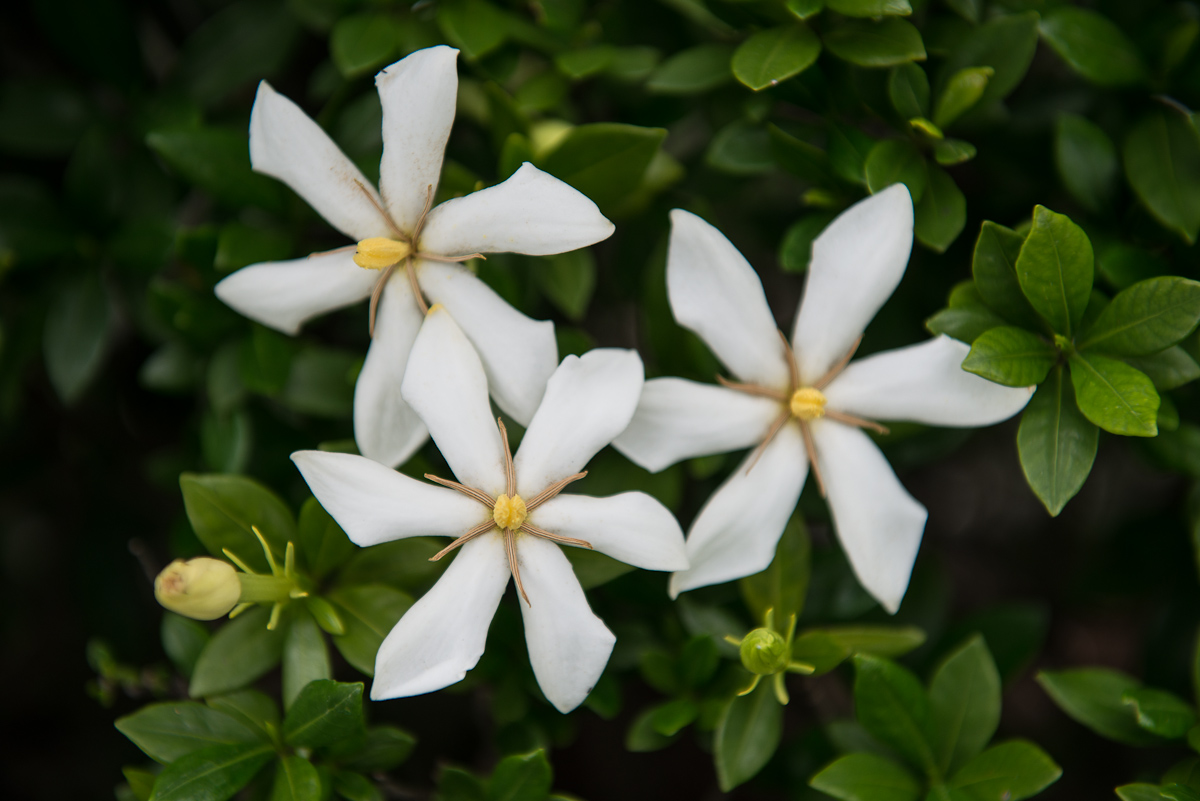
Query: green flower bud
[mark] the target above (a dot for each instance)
(764, 652)
(200, 588)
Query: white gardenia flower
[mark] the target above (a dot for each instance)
(406, 250)
(804, 403)
(507, 516)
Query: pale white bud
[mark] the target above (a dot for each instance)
(200, 588)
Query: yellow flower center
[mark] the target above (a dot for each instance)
(509, 513)
(807, 403)
(379, 252)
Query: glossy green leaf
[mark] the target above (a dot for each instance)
(740, 148)
(296, 779)
(361, 43)
(692, 71)
(1179, 792)
(1094, 697)
(324, 713)
(168, 731)
(211, 774)
(568, 281)
(320, 382)
(521, 777)
(238, 654)
(305, 657)
(222, 509)
(605, 160)
(643, 737)
(355, 787)
(894, 161)
(368, 611)
(883, 641)
(1114, 395)
(1011, 356)
(994, 267)
(908, 89)
(384, 748)
(961, 93)
(747, 735)
(141, 783)
(1006, 44)
(1013, 770)
(1146, 318)
(1161, 712)
(848, 151)
(404, 564)
(970, 10)
(217, 160)
(321, 544)
(79, 326)
(803, 9)
(950, 152)
(1093, 45)
(964, 695)
(774, 55)
(965, 324)
(1162, 163)
(183, 639)
(1055, 269)
(256, 709)
(475, 26)
(1139, 792)
(795, 251)
(942, 212)
(803, 159)
(1167, 369)
(891, 704)
(783, 586)
(870, 8)
(1056, 443)
(866, 777)
(1087, 161)
(670, 718)
(885, 43)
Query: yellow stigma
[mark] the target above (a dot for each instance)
(509, 513)
(379, 252)
(808, 403)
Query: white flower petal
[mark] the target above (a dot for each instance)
(857, 263)
(532, 212)
(568, 645)
(385, 427)
(418, 96)
(736, 532)
(677, 419)
(716, 293)
(878, 522)
(286, 144)
(589, 401)
(284, 294)
(518, 353)
(442, 636)
(924, 383)
(631, 527)
(375, 504)
(446, 386)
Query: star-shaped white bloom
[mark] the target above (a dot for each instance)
(406, 250)
(507, 515)
(804, 403)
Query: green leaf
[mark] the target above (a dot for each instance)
(384, 748)
(891, 704)
(40, 118)
(961, 93)
(368, 611)
(803, 9)
(941, 213)
(604, 160)
(803, 159)
(1011, 356)
(474, 26)
(237, 47)
(885, 641)
(994, 267)
(355, 787)
(593, 568)
(1167, 369)
(183, 640)
(950, 152)
(866, 777)
(795, 251)
(305, 657)
(1087, 161)
(774, 55)
(821, 651)
(320, 382)
(1162, 163)
(1139, 792)
(568, 281)
(521, 777)
(252, 707)
(1055, 269)
(894, 161)
(970, 10)
(1180, 792)
(168, 731)
(322, 545)
(1160, 712)
(964, 695)
(783, 586)
(1011, 771)
(141, 783)
(240, 652)
(1094, 697)
(1146, 318)
(211, 774)
(848, 151)
(1093, 46)
(908, 89)
(642, 736)
(217, 160)
(325, 713)
(885, 43)
(698, 661)
(1114, 395)
(670, 718)
(964, 324)
(79, 326)
(1056, 443)
(1123, 265)
(361, 43)
(741, 148)
(870, 8)
(1006, 44)
(296, 779)
(222, 508)
(692, 71)
(402, 563)
(586, 61)
(747, 735)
